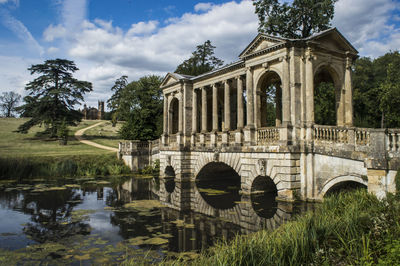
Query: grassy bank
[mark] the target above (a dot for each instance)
(104, 134)
(351, 228)
(63, 166)
(14, 144)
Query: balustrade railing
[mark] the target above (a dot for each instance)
(231, 137)
(393, 137)
(208, 138)
(330, 134)
(172, 139)
(362, 136)
(267, 135)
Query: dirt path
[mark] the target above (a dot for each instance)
(79, 136)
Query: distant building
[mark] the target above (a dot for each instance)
(91, 113)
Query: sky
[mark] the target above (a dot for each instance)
(107, 39)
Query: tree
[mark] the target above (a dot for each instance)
(374, 91)
(8, 103)
(300, 19)
(146, 111)
(118, 104)
(201, 61)
(53, 95)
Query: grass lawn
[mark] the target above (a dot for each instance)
(104, 134)
(14, 144)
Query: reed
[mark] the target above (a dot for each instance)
(348, 228)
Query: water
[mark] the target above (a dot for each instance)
(144, 219)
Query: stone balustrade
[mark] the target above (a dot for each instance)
(393, 140)
(267, 135)
(330, 134)
(362, 136)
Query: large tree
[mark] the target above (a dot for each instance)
(8, 103)
(375, 91)
(118, 104)
(300, 19)
(146, 109)
(53, 95)
(201, 61)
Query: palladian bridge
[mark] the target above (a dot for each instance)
(221, 121)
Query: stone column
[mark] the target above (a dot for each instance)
(349, 94)
(240, 111)
(194, 112)
(250, 98)
(165, 125)
(180, 123)
(214, 107)
(285, 92)
(227, 106)
(203, 110)
(309, 93)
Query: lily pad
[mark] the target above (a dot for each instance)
(156, 241)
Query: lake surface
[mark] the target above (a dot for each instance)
(103, 222)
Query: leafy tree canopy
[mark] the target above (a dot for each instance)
(300, 19)
(53, 95)
(201, 61)
(145, 111)
(375, 91)
(118, 103)
(8, 103)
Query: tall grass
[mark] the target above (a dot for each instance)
(349, 228)
(65, 166)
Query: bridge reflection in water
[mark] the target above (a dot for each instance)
(207, 213)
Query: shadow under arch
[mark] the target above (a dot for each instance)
(343, 184)
(174, 116)
(269, 99)
(327, 95)
(219, 185)
(169, 179)
(263, 197)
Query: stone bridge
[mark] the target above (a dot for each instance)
(256, 116)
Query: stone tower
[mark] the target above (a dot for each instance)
(100, 113)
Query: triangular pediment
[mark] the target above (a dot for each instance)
(333, 40)
(169, 79)
(260, 43)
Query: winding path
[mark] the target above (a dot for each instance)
(80, 138)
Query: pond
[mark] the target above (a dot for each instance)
(145, 219)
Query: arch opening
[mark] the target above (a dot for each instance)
(174, 116)
(326, 97)
(263, 196)
(270, 100)
(344, 186)
(169, 179)
(219, 185)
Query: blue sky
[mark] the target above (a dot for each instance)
(107, 39)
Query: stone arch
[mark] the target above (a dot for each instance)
(173, 116)
(231, 159)
(331, 100)
(269, 98)
(341, 179)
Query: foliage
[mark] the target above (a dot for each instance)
(146, 108)
(325, 104)
(58, 167)
(62, 132)
(201, 61)
(151, 169)
(8, 103)
(300, 19)
(118, 104)
(348, 228)
(53, 95)
(376, 91)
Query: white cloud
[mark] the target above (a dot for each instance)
(54, 32)
(143, 28)
(203, 7)
(367, 24)
(20, 30)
